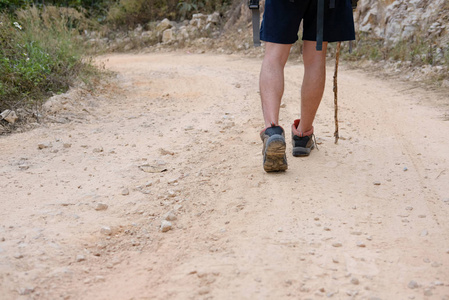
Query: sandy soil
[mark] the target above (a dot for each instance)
(178, 134)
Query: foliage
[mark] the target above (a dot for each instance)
(40, 54)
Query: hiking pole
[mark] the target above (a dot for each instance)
(337, 57)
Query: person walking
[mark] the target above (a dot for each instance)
(279, 30)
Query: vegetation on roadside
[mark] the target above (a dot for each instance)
(41, 53)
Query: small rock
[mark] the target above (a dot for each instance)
(97, 150)
(424, 233)
(376, 182)
(166, 152)
(356, 233)
(80, 258)
(101, 206)
(335, 260)
(18, 256)
(337, 244)
(2, 239)
(9, 116)
(428, 292)
(413, 284)
(125, 192)
(170, 216)
(166, 226)
(355, 281)
(421, 216)
(361, 244)
(409, 208)
(405, 169)
(106, 230)
(26, 291)
(67, 145)
(204, 290)
(326, 228)
(41, 146)
(435, 264)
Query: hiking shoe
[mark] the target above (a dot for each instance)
(303, 142)
(274, 158)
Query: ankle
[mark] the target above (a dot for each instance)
(301, 131)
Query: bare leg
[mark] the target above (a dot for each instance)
(313, 83)
(272, 81)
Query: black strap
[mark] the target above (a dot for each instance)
(320, 25)
(254, 6)
(256, 30)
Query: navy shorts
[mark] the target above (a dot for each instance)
(282, 18)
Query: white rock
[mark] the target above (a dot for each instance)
(9, 116)
(167, 36)
(170, 216)
(125, 192)
(163, 25)
(80, 258)
(106, 230)
(166, 226)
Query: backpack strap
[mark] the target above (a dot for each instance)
(320, 25)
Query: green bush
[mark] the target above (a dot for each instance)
(40, 54)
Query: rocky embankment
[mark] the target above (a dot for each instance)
(161, 33)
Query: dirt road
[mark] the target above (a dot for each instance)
(176, 137)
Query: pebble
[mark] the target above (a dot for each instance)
(166, 226)
(337, 244)
(361, 244)
(355, 281)
(18, 256)
(170, 216)
(326, 229)
(125, 192)
(413, 284)
(376, 182)
(428, 292)
(101, 206)
(67, 145)
(80, 258)
(106, 230)
(435, 264)
(204, 290)
(421, 216)
(424, 233)
(405, 169)
(409, 208)
(41, 146)
(356, 233)
(335, 260)
(26, 291)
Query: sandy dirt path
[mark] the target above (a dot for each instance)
(177, 136)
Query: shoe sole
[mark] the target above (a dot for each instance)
(301, 151)
(274, 156)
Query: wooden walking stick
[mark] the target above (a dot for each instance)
(337, 57)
